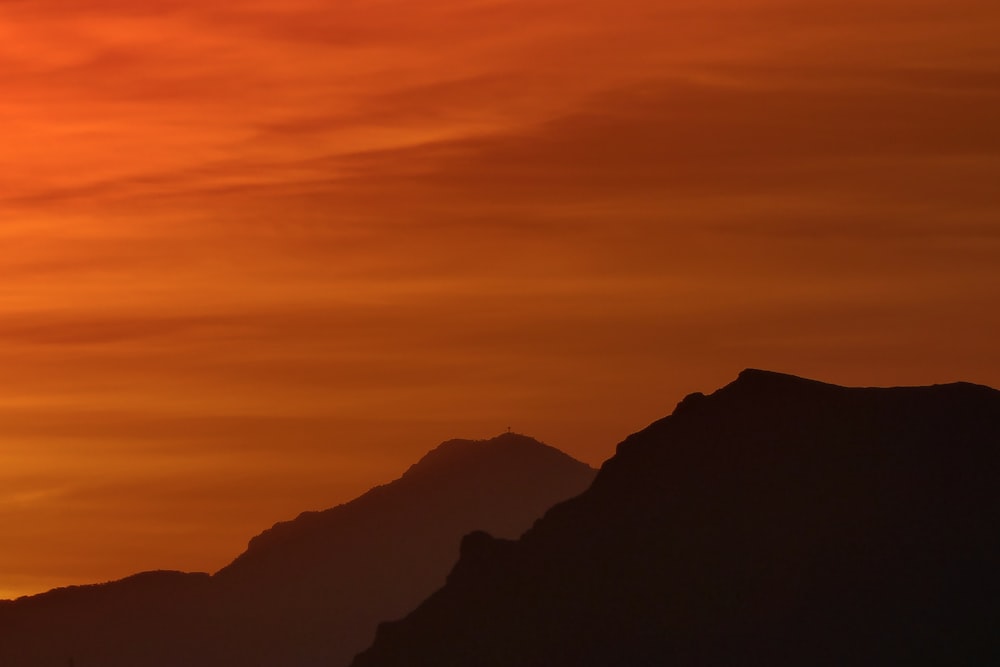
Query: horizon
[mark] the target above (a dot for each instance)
(260, 257)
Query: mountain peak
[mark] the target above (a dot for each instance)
(504, 449)
(762, 374)
(756, 379)
(497, 463)
(754, 384)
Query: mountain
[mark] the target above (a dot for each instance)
(778, 521)
(105, 624)
(309, 591)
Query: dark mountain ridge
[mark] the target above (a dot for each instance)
(308, 591)
(779, 521)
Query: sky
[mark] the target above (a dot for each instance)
(258, 256)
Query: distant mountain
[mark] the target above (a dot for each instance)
(779, 522)
(106, 624)
(309, 591)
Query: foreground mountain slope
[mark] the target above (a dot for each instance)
(308, 591)
(778, 521)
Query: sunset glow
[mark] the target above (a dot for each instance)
(259, 256)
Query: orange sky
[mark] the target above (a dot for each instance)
(259, 255)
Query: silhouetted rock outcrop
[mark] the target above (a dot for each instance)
(308, 591)
(778, 521)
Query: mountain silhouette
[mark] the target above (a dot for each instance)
(309, 591)
(778, 521)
